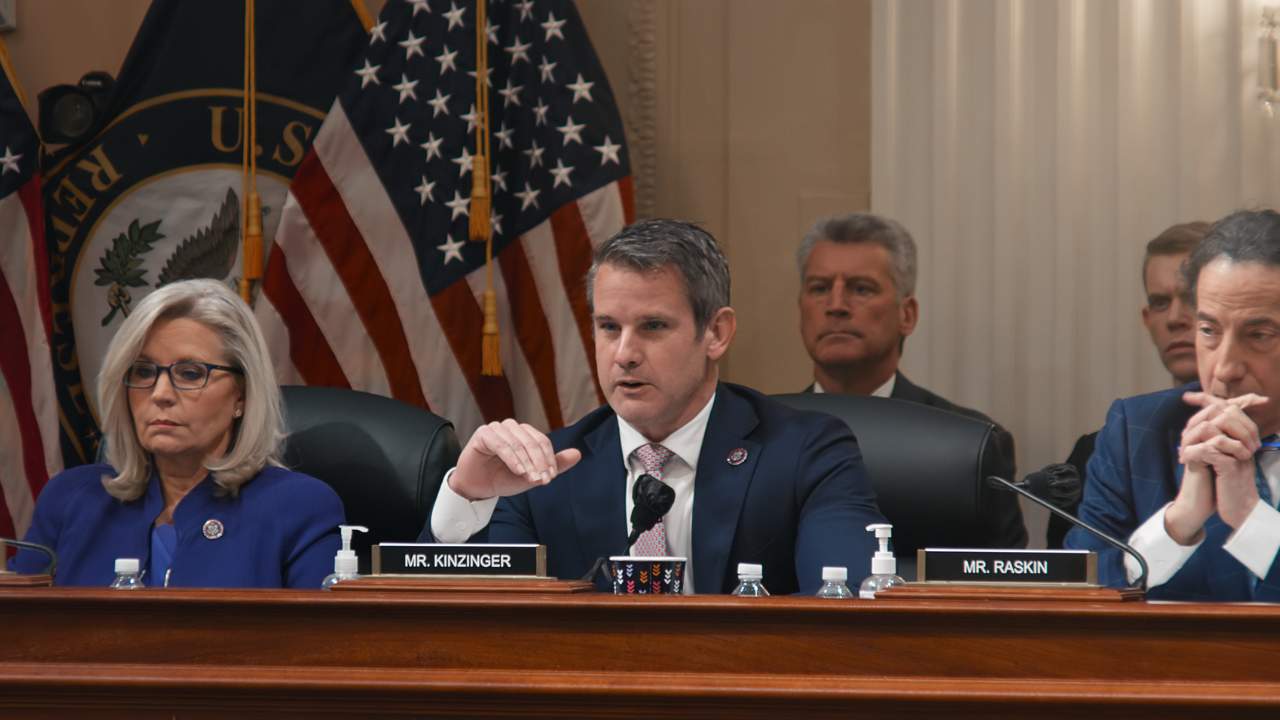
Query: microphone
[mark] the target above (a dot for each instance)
(48, 551)
(651, 498)
(1060, 484)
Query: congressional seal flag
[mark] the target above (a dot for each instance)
(28, 408)
(157, 195)
(375, 283)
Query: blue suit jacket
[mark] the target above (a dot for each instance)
(281, 530)
(800, 500)
(1133, 473)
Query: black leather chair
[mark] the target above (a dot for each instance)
(927, 467)
(384, 458)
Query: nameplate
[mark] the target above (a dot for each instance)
(470, 559)
(1055, 567)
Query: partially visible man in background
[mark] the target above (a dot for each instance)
(857, 307)
(1168, 318)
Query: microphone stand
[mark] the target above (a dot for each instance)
(48, 551)
(1139, 584)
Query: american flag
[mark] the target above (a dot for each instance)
(373, 284)
(29, 451)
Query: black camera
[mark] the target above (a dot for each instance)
(71, 114)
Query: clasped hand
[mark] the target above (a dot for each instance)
(508, 458)
(1217, 449)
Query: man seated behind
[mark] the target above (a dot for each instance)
(1190, 475)
(754, 481)
(1167, 318)
(857, 307)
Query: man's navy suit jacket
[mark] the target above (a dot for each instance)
(800, 500)
(1133, 473)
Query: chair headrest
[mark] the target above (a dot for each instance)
(384, 458)
(926, 465)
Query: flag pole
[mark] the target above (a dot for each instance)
(481, 230)
(251, 255)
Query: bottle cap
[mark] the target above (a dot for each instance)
(128, 565)
(750, 571)
(835, 574)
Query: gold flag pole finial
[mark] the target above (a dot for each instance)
(481, 229)
(251, 255)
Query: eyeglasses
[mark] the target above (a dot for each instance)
(185, 375)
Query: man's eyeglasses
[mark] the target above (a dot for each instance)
(185, 375)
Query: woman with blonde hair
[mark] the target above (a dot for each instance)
(192, 420)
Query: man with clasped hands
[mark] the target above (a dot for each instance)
(1191, 477)
(754, 481)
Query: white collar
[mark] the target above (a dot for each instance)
(884, 391)
(685, 443)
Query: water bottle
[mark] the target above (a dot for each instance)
(749, 577)
(833, 584)
(128, 575)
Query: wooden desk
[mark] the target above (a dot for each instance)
(195, 653)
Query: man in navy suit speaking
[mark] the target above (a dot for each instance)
(754, 481)
(1191, 477)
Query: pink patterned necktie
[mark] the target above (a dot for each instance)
(652, 542)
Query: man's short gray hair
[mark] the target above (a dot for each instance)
(257, 436)
(653, 244)
(1242, 236)
(866, 227)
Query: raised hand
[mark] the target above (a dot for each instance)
(508, 458)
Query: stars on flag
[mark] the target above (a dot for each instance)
(433, 107)
(553, 27)
(454, 16)
(432, 146)
(368, 74)
(608, 151)
(529, 196)
(581, 89)
(561, 174)
(412, 46)
(463, 161)
(510, 94)
(439, 104)
(405, 88)
(571, 132)
(424, 191)
(452, 249)
(518, 51)
(546, 68)
(458, 205)
(446, 60)
(10, 160)
(399, 133)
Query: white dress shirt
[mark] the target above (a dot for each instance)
(454, 518)
(884, 391)
(1255, 543)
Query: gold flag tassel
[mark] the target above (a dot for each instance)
(481, 230)
(251, 254)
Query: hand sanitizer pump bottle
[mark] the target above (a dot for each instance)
(345, 564)
(884, 567)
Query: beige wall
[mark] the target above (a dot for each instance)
(753, 117)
